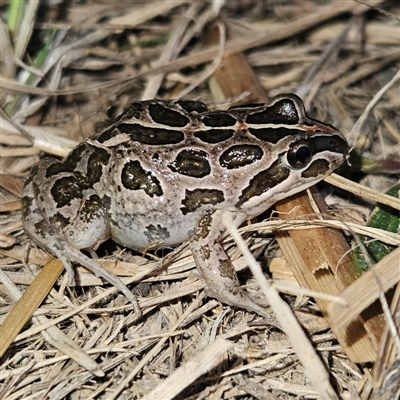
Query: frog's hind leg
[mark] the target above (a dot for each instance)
(215, 267)
(37, 226)
(43, 223)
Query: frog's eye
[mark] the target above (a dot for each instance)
(299, 155)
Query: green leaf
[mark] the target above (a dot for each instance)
(383, 217)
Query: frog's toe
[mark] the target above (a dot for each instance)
(238, 298)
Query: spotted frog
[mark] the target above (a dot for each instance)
(166, 172)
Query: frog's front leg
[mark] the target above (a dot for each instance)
(63, 214)
(214, 265)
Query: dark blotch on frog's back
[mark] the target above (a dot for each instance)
(192, 106)
(166, 116)
(56, 168)
(282, 112)
(197, 198)
(219, 119)
(214, 136)
(134, 177)
(240, 155)
(192, 163)
(274, 135)
(65, 190)
(76, 156)
(97, 159)
(151, 136)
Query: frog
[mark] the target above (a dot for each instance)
(166, 172)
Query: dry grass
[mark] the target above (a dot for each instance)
(85, 342)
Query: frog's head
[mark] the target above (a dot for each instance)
(302, 152)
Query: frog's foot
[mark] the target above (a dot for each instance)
(67, 254)
(216, 268)
(240, 299)
(98, 270)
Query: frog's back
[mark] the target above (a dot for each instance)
(161, 165)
